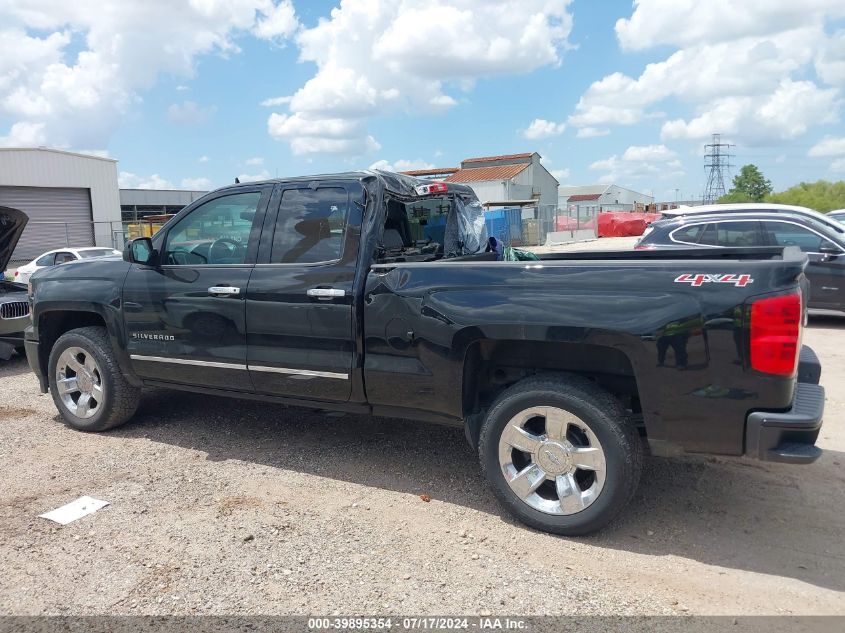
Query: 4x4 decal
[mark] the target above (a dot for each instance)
(697, 279)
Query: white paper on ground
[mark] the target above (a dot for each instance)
(74, 510)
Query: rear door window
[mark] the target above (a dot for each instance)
(310, 226)
(737, 234)
(64, 257)
(46, 260)
(788, 234)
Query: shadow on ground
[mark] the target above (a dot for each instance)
(764, 518)
(15, 366)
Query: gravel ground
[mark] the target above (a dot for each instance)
(221, 506)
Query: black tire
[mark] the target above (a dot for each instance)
(120, 399)
(604, 416)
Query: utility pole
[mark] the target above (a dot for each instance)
(717, 161)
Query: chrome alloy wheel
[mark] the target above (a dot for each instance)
(552, 460)
(79, 382)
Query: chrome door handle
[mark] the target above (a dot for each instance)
(223, 291)
(326, 293)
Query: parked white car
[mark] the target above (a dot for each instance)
(59, 256)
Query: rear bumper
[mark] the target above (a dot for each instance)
(809, 367)
(788, 437)
(34, 358)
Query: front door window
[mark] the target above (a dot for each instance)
(215, 233)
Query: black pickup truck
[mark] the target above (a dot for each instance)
(373, 293)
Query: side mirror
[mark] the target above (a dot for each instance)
(140, 251)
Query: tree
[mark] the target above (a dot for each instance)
(821, 195)
(749, 186)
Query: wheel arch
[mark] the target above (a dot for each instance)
(52, 322)
(492, 365)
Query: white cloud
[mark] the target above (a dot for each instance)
(591, 132)
(196, 184)
(262, 175)
(540, 128)
(560, 174)
(189, 113)
(828, 146)
(786, 114)
(277, 22)
(689, 22)
(203, 159)
(255, 160)
(738, 66)
(272, 102)
(639, 161)
(182, 88)
(76, 68)
(375, 58)
(402, 165)
(128, 180)
(830, 61)
(24, 134)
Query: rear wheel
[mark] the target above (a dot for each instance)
(86, 383)
(560, 454)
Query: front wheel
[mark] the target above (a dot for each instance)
(86, 383)
(560, 454)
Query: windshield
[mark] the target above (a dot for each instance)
(95, 252)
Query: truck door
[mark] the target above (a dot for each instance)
(299, 304)
(185, 317)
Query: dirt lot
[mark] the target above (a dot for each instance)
(223, 506)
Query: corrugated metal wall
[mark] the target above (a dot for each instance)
(49, 168)
(58, 216)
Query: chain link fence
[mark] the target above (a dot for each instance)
(538, 225)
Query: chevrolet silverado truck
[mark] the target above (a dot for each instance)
(374, 293)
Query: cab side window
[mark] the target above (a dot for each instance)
(787, 234)
(64, 257)
(216, 232)
(310, 226)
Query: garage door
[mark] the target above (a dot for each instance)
(58, 217)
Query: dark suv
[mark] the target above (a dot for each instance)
(825, 248)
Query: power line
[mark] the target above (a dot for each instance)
(718, 161)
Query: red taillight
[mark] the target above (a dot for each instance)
(776, 334)
(434, 187)
(16, 273)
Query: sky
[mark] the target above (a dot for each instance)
(193, 93)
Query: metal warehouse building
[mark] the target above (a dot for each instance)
(71, 199)
(591, 199)
(137, 204)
